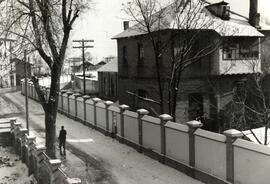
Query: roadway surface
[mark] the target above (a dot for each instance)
(92, 156)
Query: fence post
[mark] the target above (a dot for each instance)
(12, 122)
(141, 113)
(192, 127)
(231, 136)
(123, 108)
(85, 97)
(31, 146)
(12, 127)
(54, 165)
(68, 100)
(38, 158)
(164, 118)
(16, 131)
(76, 106)
(62, 104)
(108, 104)
(95, 100)
(24, 145)
(23, 133)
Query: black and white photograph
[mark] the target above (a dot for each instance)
(134, 91)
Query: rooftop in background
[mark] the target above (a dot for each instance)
(237, 25)
(111, 66)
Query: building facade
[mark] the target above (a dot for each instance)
(108, 81)
(206, 86)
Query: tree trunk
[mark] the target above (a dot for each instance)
(174, 99)
(176, 84)
(173, 96)
(50, 134)
(266, 128)
(160, 89)
(51, 112)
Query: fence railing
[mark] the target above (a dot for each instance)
(207, 156)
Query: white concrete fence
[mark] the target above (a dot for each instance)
(207, 156)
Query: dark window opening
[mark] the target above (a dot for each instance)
(112, 87)
(142, 93)
(140, 53)
(139, 102)
(226, 13)
(125, 60)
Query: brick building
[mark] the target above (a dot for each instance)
(206, 86)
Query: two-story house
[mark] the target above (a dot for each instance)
(206, 86)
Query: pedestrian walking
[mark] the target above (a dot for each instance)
(62, 140)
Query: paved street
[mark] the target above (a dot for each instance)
(99, 159)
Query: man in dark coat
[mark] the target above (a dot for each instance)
(62, 140)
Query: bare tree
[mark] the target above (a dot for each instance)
(184, 45)
(249, 107)
(42, 26)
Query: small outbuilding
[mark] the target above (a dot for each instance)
(108, 80)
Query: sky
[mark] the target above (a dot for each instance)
(105, 20)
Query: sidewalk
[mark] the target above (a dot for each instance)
(101, 159)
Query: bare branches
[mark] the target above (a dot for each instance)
(185, 21)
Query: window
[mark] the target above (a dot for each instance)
(138, 100)
(140, 53)
(230, 51)
(142, 93)
(226, 12)
(124, 56)
(180, 47)
(112, 87)
(176, 51)
(236, 51)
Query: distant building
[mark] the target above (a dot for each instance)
(7, 76)
(39, 66)
(19, 70)
(108, 80)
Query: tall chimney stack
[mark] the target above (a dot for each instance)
(126, 25)
(254, 16)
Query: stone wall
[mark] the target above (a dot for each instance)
(44, 169)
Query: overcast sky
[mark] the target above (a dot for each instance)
(105, 21)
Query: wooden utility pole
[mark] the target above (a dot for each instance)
(83, 47)
(26, 92)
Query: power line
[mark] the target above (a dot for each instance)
(83, 47)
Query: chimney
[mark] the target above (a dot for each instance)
(126, 25)
(254, 16)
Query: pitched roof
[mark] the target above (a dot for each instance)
(111, 66)
(237, 25)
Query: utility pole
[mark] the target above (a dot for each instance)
(26, 93)
(83, 47)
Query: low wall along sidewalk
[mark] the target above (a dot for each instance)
(44, 169)
(210, 157)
